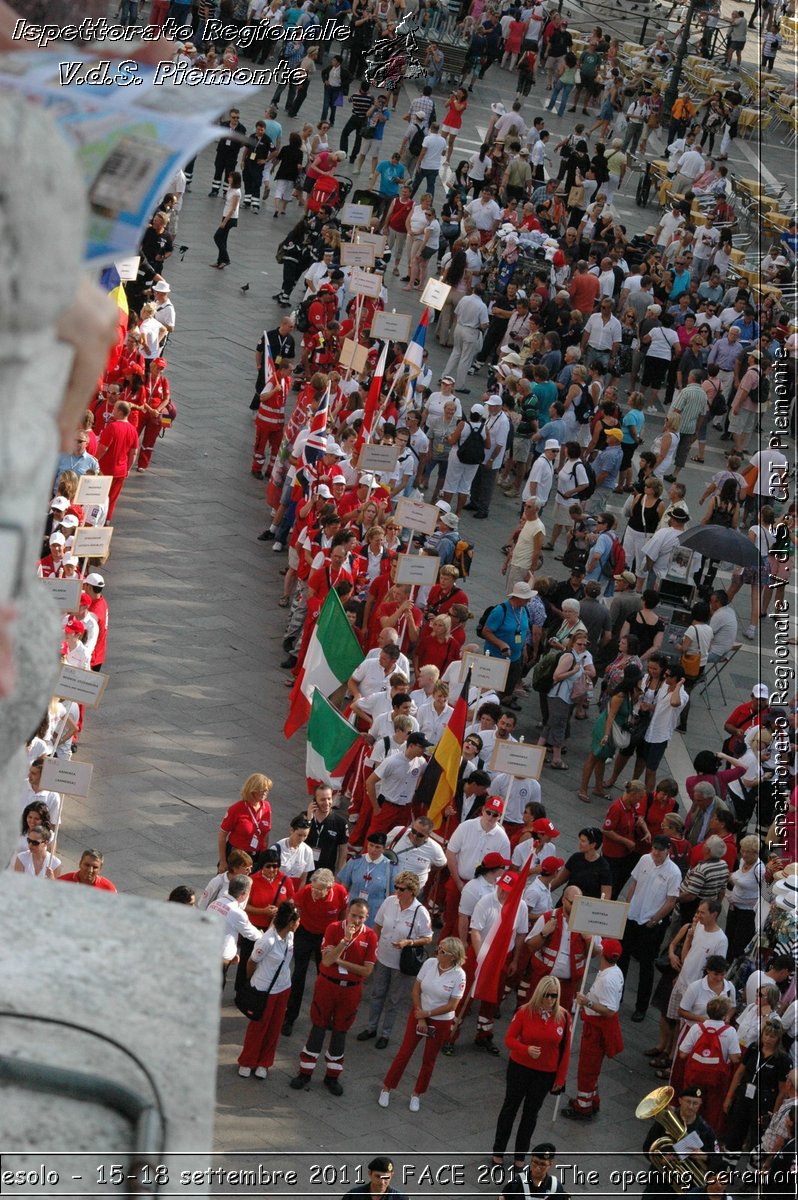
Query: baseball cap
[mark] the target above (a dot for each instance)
(551, 444)
(494, 804)
(477, 411)
(551, 865)
(378, 839)
(760, 691)
(94, 580)
(73, 625)
(493, 401)
(57, 539)
(614, 433)
(59, 502)
(367, 480)
(443, 505)
(323, 491)
(611, 948)
(333, 448)
(754, 354)
(71, 561)
(628, 576)
(505, 882)
(492, 861)
(418, 739)
(70, 521)
(544, 825)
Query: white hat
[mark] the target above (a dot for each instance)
(788, 886)
(366, 479)
(95, 580)
(498, 108)
(780, 261)
(324, 492)
(760, 691)
(494, 400)
(57, 539)
(522, 591)
(161, 286)
(551, 444)
(788, 901)
(451, 519)
(443, 505)
(477, 411)
(59, 502)
(70, 521)
(334, 448)
(511, 359)
(70, 560)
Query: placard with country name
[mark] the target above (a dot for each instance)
(487, 672)
(67, 776)
(353, 356)
(435, 293)
(363, 283)
(355, 214)
(93, 489)
(416, 515)
(86, 687)
(65, 592)
(378, 458)
(418, 570)
(377, 240)
(605, 918)
(518, 759)
(353, 254)
(92, 541)
(391, 326)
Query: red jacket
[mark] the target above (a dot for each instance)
(528, 1028)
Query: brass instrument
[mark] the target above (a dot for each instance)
(680, 1174)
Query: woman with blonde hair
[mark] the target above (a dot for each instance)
(437, 988)
(666, 445)
(246, 824)
(746, 883)
(401, 922)
(538, 1039)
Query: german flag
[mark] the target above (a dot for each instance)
(439, 781)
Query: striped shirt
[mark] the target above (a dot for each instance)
(361, 103)
(692, 404)
(708, 880)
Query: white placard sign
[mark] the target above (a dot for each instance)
(419, 570)
(377, 240)
(67, 776)
(607, 918)
(518, 759)
(65, 592)
(93, 489)
(353, 356)
(378, 458)
(391, 327)
(487, 672)
(355, 255)
(435, 293)
(355, 214)
(92, 541)
(416, 515)
(363, 283)
(86, 687)
(128, 268)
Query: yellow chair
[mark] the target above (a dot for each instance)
(737, 257)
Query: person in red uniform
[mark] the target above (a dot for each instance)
(88, 872)
(601, 1031)
(52, 565)
(348, 955)
(619, 831)
(555, 949)
(156, 405)
(270, 419)
(539, 1041)
(319, 902)
(247, 823)
(93, 587)
(119, 442)
(270, 887)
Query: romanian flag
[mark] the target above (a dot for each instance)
(110, 280)
(439, 782)
(373, 400)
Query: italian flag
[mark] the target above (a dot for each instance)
(333, 653)
(332, 744)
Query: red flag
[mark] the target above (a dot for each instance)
(494, 950)
(373, 399)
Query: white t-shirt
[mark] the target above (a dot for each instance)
(665, 717)
(472, 893)
(607, 990)
(415, 856)
(236, 923)
(398, 777)
(484, 215)
(542, 474)
(25, 859)
(435, 146)
(440, 987)
(270, 952)
(653, 885)
(370, 677)
(488, 911)
(728, 1039)
(767, 461)
(698, 994)
(477, 167)
(662, 341)
(396, 925)
(295, 861)
(702, 946)
(470, 843)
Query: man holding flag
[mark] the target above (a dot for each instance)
(270, 416)
(467, 847)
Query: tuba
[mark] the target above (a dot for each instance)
(680, 1174)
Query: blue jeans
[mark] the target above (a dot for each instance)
(431, 178)
(181, 14)
(563, 90)
(328, 110)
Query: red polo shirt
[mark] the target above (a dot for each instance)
(362, 949)
(317, 914)
(620, 820)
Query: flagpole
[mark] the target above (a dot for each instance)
(575, 1013)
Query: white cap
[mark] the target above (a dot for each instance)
(57, 539)
(494, 400)
(760, 691)
(443, 505)
(70, 560)
(95, 580)
(367, 479)
(477, 411)
(324, 492)
(70, 521)
(551, 444)
(59, 502)
(334, 448)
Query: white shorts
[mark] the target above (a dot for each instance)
(459, 476)
(284, 189)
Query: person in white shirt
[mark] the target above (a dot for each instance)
(601, 1031)
(433, 717)
(487, 915)
(541, 478)
(689, 167)
(467, 848)
(537, 894)
(296, 857)
(705, 938)
(483, 884)
(417, 848)
(392, 786)
(401, 920)
(706, 239)
(430, 158)
(373, 674)
(656, 551)
(497, 427)
(471, 316)
(652, 895)
(485, 212)
(723, 623)
(670, 223)
(238, 863)
(230, 907)
(537, 156)
(668, 705)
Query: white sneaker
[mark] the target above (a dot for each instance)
(245, 1072)
(276, 547)
(261, 1073)
(652, 410)
(415, 1103)
(385, 1099)
(750, 632)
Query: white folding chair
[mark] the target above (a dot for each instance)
(713, 674)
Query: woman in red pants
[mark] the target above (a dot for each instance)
(439, 985)
(269, 971)
(157, 404)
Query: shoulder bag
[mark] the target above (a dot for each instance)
(411, 958)
(251, 1001)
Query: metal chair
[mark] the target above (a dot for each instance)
(714, 672)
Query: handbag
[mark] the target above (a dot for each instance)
(576, 196)
(577, 76)
(411, 958)
(691, 664)
(620, 737)
(339, 100)
(251, 1001)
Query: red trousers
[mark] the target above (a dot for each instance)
(260, 1042)
(452, 910)
(714, 1092)
(158, 14)
(266, 437)
(117, 483)
(333, 1006)
(599, 1041)
(389, 816)
(151, 431)
(439, 1033)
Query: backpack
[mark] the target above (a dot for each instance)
(416, 142)
(543, 671)
(706, 1059)
(761, 393)
(302, 318)
(463, 557)
(616, 559)
(472, 451)
(591, 480)
(483, 619)
(584, 409)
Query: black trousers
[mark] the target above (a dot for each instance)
(482, 488)
(220, 237)
(524, 1086)
(307, 946)
(223, 164)
(642, 943)
(620, 870)
(252, 178)
(740, 928)
(354, 125)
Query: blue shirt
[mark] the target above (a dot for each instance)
(370, 881)
(510, 625)
(608, 460)
(602, 545)
(390, 174)
(552, 429)
(681, 283)
(633, 420)
(274, 130)
(79, 463)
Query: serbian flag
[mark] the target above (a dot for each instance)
(332, 744)
(111, 281)
(496, 946)
(373, 400)
(333, 653)
(413, 360)
(316, 444)
(439, 782)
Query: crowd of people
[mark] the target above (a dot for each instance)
(580, 330)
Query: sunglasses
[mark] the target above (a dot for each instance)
(401, 888)
(418, 833)
(494, 816)
(33, 842)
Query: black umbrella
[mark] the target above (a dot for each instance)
(722, 544)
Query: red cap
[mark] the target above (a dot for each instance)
(611, 948)
(551, 865)
(73, 625)
(492, 861)
(544, 825)
(159, 362)
(505, 882)
(494, 804)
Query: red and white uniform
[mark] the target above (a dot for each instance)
(336, 997)
(49, 569)
(99, 610)
(269, 421)
(158, 396)
(562, 955)
(118, 442)
(247, 829)
(601, 1037)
